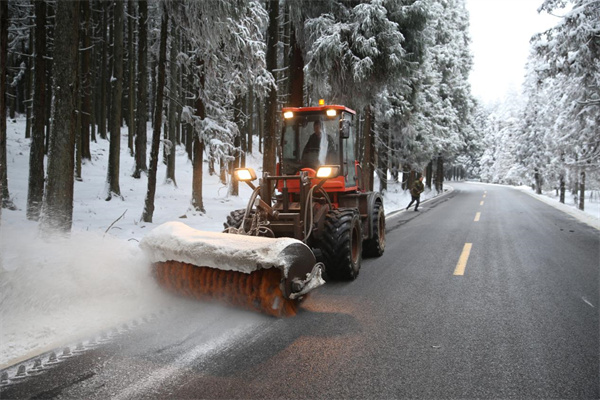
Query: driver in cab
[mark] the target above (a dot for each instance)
(316, 148)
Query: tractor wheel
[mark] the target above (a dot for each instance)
(374, 246)
(235, 219)
(341, 244)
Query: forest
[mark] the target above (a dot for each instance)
(212, 76)
(548, 136)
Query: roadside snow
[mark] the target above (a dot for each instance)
(590, 216)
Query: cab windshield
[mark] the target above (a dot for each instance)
(310, 141)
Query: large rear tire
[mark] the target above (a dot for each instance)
(234, 219)
(341, 244)
(375, 245)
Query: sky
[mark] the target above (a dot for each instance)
(500, 33)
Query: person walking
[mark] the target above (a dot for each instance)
(415, 193)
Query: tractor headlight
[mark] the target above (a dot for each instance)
(331, 112)
(245, 174)
(328, 171)
(288, 115)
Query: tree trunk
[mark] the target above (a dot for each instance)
(188, 128)
(245, 129)
(142, 84)
(197, 167)
(538, 181)
(296, 72)
(29, 77)
(78, 139)
(35, 192)
(439, 176)
(286, 39)
(235, 163)
(412, 177)
(383, 159)
(582, 191)
(251, 120)
(103, 78)
(222, 172)
(157, 124)
(110, 68)
(131, 88)
(562, 188)
(368, 164)
(270, 145)
(429, 174)
(57, 208)
(261, 126)
(197, 202)
(4, 194)
(172, 122)
(86, 82)
(114, 153)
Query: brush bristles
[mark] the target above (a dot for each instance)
(258, 291)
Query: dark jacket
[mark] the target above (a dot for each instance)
(417, 189)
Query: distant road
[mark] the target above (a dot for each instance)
(484, 293)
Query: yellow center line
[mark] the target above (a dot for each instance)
(481, 203)
(462, 261)
(477, 216)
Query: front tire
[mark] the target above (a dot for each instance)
(341, 244)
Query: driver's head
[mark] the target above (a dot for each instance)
(317, 127)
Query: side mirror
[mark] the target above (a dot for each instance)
(344, 128)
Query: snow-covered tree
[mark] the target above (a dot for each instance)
(562, 85)
(228, 55)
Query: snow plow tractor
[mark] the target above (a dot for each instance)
(312, 218)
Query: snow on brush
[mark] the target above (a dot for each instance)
(179, 242)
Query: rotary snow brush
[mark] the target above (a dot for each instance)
(263, 274)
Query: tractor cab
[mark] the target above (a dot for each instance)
(315, 137)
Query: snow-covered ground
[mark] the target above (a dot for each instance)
(590, 216)
(58, 291)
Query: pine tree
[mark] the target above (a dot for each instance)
(114, 154)
(270, 144)
(157, 124)
(4, 194)
(35, 191)
(142, 95)
(57, 208)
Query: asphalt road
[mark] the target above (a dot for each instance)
(517, 318)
